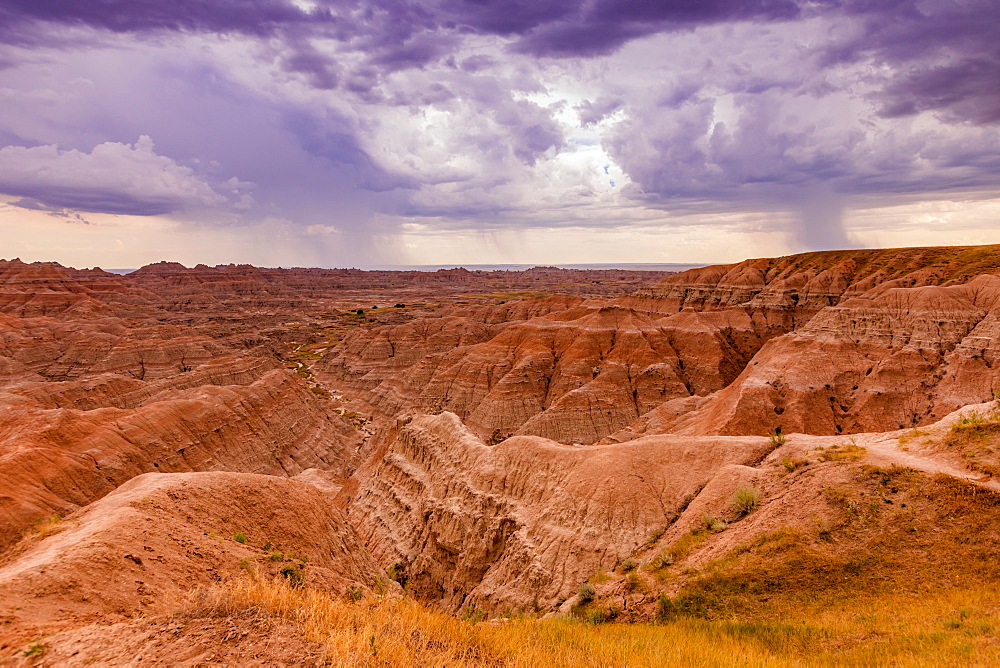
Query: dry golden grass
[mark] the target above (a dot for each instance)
(845, 451)
(977, 437)
(949, 628)
(908, 576)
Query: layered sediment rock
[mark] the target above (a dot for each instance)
(573, 375)
(55, 460)
(522, 523)
(894, 358)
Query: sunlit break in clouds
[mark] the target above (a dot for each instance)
(333, 133)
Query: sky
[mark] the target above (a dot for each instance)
(387, 132)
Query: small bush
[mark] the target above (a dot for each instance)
(600, 576)
(601, 615)
(294, 575)
(240, 537)
(628, 565)
(48, 525)
(34, 650)
(845, 451)
(665, 608)
(663, 559)
(745, 501)
(713, 524)
(792, 464)
(587, 592)
(355, 593)
(776, 439)
(473, 614)
(276, 556)
(633, 582)
(320, 392)
(397, 573)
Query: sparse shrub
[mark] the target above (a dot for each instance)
(276, 556)
(845, 451)
(601, 615)
(713, 524)
(663, 559)
(267, 546)
(355, 593)
(665, 608)
(35, 650)
(655, 536)
(792, 464)
(587, 592)
(397, 573)
(473, 614)
(320, 392)
(745, 500)
(47, 525)
(628, 565)
(240, 537)
(776, 439)
(633, 582)
(600, 576)
(294, 575)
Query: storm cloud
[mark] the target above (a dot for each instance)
(373, 118)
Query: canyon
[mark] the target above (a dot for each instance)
(599, 444)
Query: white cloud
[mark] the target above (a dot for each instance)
(112, 178)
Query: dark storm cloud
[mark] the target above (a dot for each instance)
(965, 91)
(414, 53)
(741, 105)
(946, 56)
(333, 140)
(607, 24)
(319, 70)
(253, 17)
(947, 52)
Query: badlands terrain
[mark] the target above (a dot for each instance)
(781, 461)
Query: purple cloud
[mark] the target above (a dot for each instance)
(253, 17)
(595, 111)
(463, 110)
(608, 24)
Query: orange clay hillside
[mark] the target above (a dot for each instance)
(748, 463)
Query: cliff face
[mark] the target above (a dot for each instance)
(888, 354)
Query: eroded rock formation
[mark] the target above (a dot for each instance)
(496, 437)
